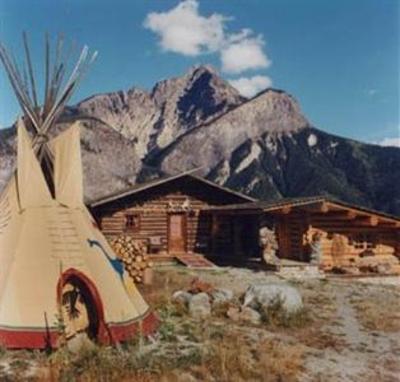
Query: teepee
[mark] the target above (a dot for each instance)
(59, 278)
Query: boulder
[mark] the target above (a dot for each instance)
(198, 286)
(220, 296)
(263, 295)
(233, 313)
(355, 271)
(250, 315)
(79, 342)
(199, 305)
(384, 269)
(182, 297)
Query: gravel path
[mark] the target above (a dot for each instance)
(365, 354)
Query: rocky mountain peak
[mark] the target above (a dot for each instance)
(174, 106)
(188, 101)
(280, 111)
(198, 81)
(263, 146)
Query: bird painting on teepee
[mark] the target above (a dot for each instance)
(53, 258)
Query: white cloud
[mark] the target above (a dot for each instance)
(395, 141)
(243, 52)
(372, 92)
(183, 30)
(250, 86)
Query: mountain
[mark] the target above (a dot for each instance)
(266, 148)
(155, 119)
(104, 171)
(263, 146)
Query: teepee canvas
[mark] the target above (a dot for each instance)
(58, 275)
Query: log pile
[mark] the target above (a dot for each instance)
(133, 254)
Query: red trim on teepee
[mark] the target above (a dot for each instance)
(42, 339)
(13, 338)
(28, 339)
(123, 332)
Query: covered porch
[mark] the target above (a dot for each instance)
(345, 236)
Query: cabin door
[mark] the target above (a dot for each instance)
(245, 236)
(176, 233)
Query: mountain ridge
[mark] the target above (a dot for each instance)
(263, 146)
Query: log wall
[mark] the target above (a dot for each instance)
(341, 249)
(153, 220)
(341, 244)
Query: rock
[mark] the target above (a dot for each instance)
(301, 272)
(199, 305)
(384, 269)
(198, 286)
(182, 297)
(382, 264)
(233, 313)
(250, 315)
(351, 271)
(185, 377)
(220, 296)
(245, 314)
(263, 295)
(79, 342)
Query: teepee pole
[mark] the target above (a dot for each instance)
(58, 89)
(30, 69)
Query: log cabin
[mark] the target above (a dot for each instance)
(183, 216)
(350, 236)
(168, 215)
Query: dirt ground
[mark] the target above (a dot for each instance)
(349, 331)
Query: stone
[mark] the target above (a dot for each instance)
(220, 296)
(199, 305)
(303, 272)
(351, 270)
(185, 377)
(198, 286)
(384, 269)
(382, 264)
(79, 342)
(263, 295)
(269, 246)
(182, 297)
(316, 248)
(250, 315)
(233, 313)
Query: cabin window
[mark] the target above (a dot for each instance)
(364, 241)
(132, 222)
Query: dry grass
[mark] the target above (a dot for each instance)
(378, 309)
(214, 349)
(237, 358)
(320, 312)
(280, 361)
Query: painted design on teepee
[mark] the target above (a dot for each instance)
(45, 223)
(81, 307)
(115, 263)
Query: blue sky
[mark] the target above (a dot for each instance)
(339, 58)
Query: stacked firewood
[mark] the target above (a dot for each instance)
(133, 254)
